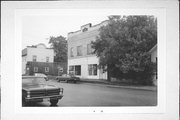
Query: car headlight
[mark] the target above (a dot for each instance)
(28, 94)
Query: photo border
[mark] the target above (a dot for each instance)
(168, 107)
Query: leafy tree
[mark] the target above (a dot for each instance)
(59, 44)
(123, 45)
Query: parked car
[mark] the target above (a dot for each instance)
(68, 78)
(36, 89)
(41, 75)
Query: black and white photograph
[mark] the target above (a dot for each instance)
(110, 62)
(89, 60)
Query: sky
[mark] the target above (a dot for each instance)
(38, 28)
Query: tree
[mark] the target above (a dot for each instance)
(59, 44)
(123, 45)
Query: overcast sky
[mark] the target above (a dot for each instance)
(37, 29)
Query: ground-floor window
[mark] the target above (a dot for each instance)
(46, 69)
(75, 69)
(35, 69)
(92, 69)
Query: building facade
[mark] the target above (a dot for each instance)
(40, 59)
(81, 60)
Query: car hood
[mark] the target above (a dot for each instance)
(39, 87)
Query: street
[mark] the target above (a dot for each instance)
(88, 94)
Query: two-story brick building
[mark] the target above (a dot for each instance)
(40, 59)
(81, 61)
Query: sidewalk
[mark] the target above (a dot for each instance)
(119, 85)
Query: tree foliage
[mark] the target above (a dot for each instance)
(123, 45)
(59, 44)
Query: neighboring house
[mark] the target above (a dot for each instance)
(154, 59)
(81, 61)
(39, 59)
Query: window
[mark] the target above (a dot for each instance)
(47, 59)
(92, 69)
(75, 70)
(71, 70)
(60, 69)
(72, 54)
(89, 49)
(35, 69)
(46, 69)
(79, 50)
(34, 58)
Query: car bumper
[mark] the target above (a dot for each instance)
(40, 99)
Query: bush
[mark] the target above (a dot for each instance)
(145, 77)
(139, 78)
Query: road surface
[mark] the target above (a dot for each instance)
(87, 94)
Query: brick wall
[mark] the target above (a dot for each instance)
(53, 68)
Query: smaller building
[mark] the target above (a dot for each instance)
(154, 59)
(40, 59)
(51, 68)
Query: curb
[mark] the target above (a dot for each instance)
(98, 83)
(119, 86)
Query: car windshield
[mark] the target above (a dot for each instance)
(33, 81)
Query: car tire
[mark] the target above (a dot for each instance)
(23, 102)
(53, 102)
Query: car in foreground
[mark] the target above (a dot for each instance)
(68, 78)
(36, 89)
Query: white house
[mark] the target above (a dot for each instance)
(154, 59)
(81, 61)
(37, 53)
(153, 52)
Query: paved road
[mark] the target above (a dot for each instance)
(84, 94)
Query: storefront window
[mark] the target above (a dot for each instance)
(75, 70)
(92, 69)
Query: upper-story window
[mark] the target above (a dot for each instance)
(34, 58)
(72, 52)
(89, 49)
(79, 50)
(47, 59)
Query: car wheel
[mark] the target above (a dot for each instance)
(24, 103)
(53, 102)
